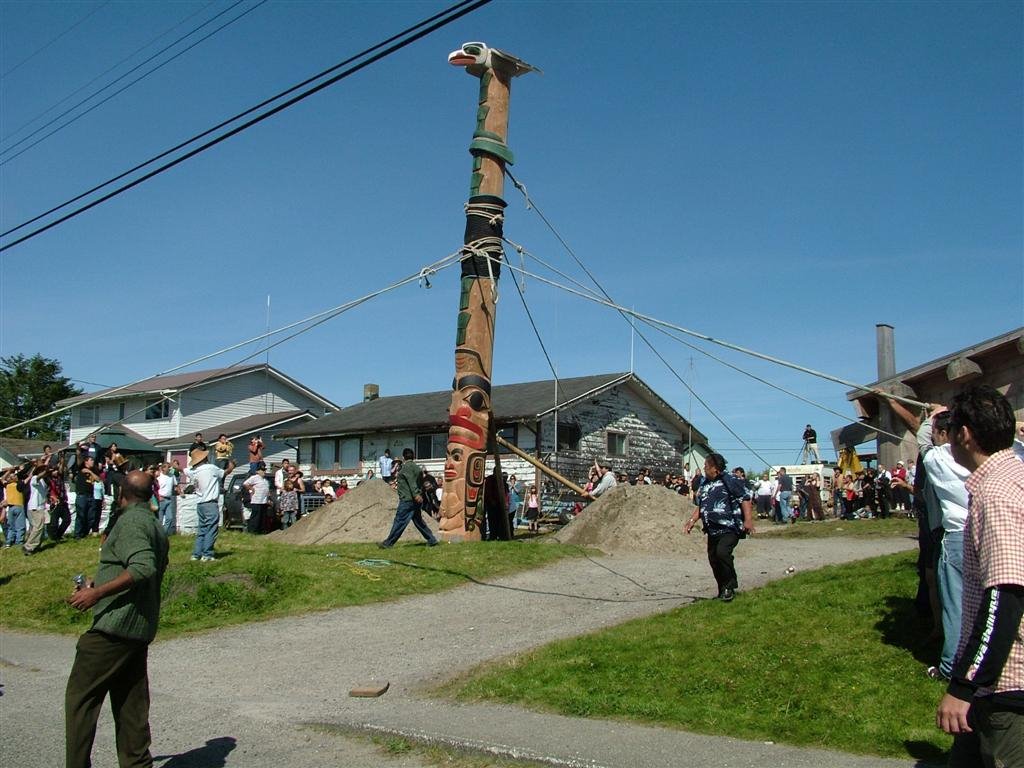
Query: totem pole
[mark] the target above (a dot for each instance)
(470, 431)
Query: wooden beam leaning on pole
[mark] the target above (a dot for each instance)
(541, 466)
(469, 416)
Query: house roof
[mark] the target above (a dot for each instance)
(27, 449)
(510, 402)
(918, 372)
(239, 427)
(180, 381)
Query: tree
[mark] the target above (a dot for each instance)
(29, 387)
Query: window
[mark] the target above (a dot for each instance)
(616, 443)
(89, 415)
(158, 409)
(120, 412)
(324, 451)
(432, 446)
(337, 452)
(348, 452)
(510, 433)
(569, 436)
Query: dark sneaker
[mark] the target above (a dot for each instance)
(433, 543)
(384, 545)
(727, 595)
(936, 674)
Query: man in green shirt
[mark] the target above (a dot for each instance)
(410, 498)
(112, 656)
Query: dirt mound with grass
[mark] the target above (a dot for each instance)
(363, 514)
(635, 518)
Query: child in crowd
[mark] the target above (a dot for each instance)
(288, 504)
(533, 509)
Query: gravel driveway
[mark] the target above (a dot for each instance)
(241, 696)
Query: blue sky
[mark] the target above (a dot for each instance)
(780, 175)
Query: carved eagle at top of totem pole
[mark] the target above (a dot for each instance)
(477, 57)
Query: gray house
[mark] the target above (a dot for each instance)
(612, 417)
(167, 411)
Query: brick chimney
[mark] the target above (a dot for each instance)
(370, 392)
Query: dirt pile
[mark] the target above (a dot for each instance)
(635, 518)
(363, 514)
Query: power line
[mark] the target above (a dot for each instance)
(125, 87)
(102, 74)
(464, 9)
(36, 52)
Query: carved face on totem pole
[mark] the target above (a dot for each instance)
(466, 457)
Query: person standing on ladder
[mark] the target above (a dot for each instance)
(810, 446)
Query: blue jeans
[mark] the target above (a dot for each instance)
(784, 510)
(167, 513)
(15, 527)
(208, 515)
(950, 574)
(408, 510)
(83, 504)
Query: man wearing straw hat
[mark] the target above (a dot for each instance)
(207, 479)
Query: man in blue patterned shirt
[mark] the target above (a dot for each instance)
(724, 508)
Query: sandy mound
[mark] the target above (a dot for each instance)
(363, 514)
(635, 518)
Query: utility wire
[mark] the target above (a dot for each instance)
(536, 332)
(101, 75)
(35, 53)
(315, 319)
(239, 116)
(128, 85)
(464, 9)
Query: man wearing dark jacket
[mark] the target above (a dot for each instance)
(410, 499)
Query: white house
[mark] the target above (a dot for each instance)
(614, 418)
(167, 411)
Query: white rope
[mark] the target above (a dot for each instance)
(315, 320)
(650, 320)
(703, 351)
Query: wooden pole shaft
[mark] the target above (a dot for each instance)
(469, 415)
(540, 465)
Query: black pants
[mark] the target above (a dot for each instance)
(60, 519)
(256, 521)
(720, 549)
(108, 665)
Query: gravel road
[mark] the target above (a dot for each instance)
(244, 696)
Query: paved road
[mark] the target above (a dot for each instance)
(243, 697)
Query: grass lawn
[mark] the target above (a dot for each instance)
(887, 528)
(831, 658)
(254, 578)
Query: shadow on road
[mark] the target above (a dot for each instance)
(213, 754)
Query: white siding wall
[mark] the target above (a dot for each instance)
(238, 397)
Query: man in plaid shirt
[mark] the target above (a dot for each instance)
(984, 704)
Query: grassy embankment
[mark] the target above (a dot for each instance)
(831, 658)
(255, 579)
